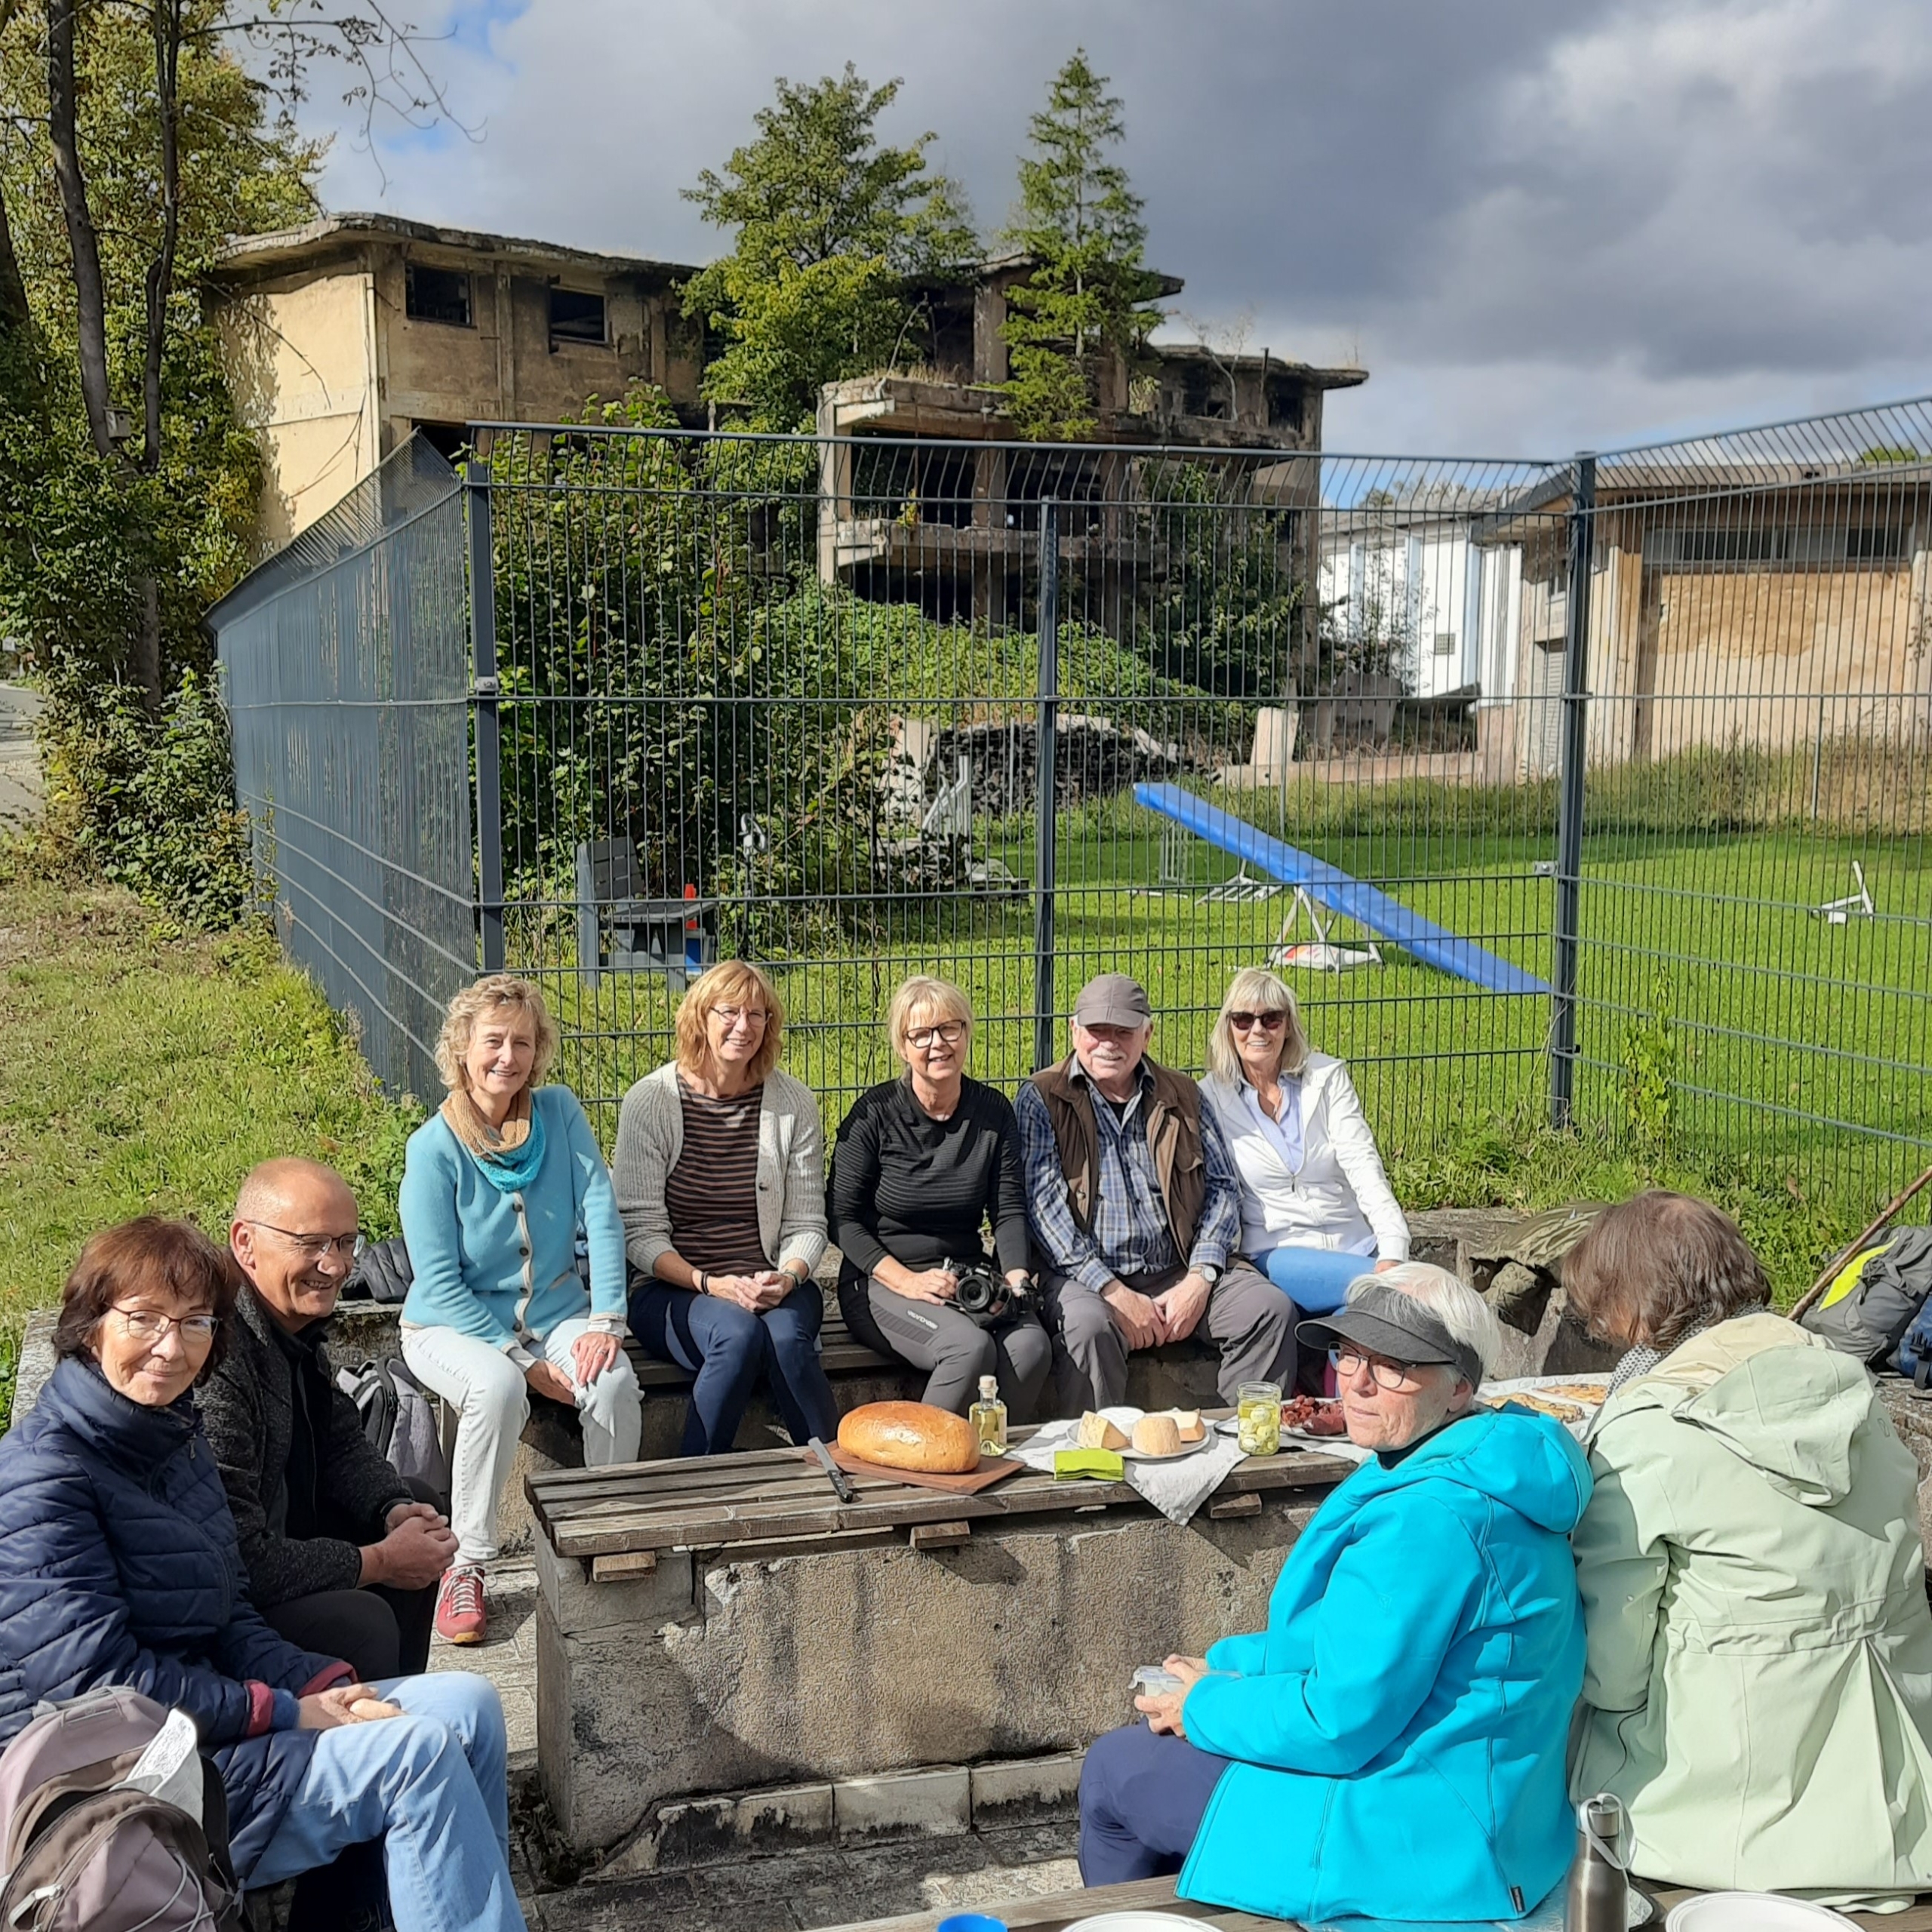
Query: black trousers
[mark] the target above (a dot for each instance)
(379, 1632)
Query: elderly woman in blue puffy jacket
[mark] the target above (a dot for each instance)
(1392, 1746)
(119, 1565)
(497, 1186)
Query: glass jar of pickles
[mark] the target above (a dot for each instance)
(1258, 1429)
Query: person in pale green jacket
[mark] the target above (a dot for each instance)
(1758, 1682)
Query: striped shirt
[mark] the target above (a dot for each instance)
(711, 1194)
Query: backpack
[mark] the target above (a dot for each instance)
(399, 1418)
(383, 1271)
(1876, 1306)
(110, 1821)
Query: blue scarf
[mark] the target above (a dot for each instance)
(512, 1171)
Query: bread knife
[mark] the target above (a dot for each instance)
(831, 1468)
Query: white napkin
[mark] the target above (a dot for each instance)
(170, 1767)
(1177, 1489)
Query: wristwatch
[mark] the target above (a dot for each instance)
(1208, 1272)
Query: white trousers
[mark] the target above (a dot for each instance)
(492, 1402)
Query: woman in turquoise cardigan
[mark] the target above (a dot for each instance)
(500, 1185)
(1392, 1746)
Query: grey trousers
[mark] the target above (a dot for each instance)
(954, 1349)
(1249, 1323)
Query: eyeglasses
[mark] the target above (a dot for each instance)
(316, 1248)
(950, 1032)
(728, 1017)
(1390, 1375)
(148, 1324)
(1267, 1022)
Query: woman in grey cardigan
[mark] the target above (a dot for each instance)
(719, 1169)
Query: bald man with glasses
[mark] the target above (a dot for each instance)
(343, 1553)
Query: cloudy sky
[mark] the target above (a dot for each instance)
(1539, 226)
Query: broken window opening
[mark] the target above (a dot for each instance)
(576, 316)
(436, 295)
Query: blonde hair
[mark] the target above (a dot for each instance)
(1255, 989)
(490, 995)
(730, 982)
(938, 999)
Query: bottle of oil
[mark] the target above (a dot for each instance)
(988, 1417)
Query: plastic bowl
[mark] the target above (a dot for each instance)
(1753, 1912)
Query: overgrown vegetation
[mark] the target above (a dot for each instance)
(832, 231)
(147, 1071)
(133, 144)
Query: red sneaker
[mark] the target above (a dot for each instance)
(459, 1615)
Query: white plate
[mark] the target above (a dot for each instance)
(1132, 1455)
(1753, 1912)
(1136, 1921)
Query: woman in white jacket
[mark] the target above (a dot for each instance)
(1316, 1210)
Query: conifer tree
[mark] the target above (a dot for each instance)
(1089, 296)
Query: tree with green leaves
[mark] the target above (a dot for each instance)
(832, 229)
(133, 144)
(1088, 297)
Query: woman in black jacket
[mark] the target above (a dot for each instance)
(922, 1164)
(119, 1565)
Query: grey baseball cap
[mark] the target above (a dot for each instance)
(1112, 999)
(1385, 1321)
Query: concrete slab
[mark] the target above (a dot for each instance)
(19, 764)
(934, 1802)
(1010, 1791)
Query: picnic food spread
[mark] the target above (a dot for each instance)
(910, 1435)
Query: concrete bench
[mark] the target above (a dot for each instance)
(1053, 1911)
(720, 1625)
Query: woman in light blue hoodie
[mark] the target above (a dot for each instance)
(1392, 1746)
(498, 1186)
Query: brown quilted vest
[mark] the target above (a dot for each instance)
(1172, 1122)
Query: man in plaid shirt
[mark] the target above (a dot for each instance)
(1136, 1211)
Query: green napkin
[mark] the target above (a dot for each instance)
(1106, 1464)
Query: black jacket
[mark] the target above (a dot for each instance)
(247, 1410)
(117, 1565)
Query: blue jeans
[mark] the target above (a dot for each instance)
(431, 1784)
(731, 1350)
(1316, 1279)
(1142, 1796)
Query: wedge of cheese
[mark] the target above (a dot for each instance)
(1189, 1421)
(1096, 1432)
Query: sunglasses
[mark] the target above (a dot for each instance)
(1243, 1023)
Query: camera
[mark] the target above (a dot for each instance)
(986, 1296)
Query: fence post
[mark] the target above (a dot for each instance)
(489, 723)
(1570, 790)
(1046, 757)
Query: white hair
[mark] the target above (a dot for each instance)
(1468, 1318)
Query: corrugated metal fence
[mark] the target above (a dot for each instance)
(1597, 788)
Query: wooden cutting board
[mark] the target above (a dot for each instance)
(991, 1470)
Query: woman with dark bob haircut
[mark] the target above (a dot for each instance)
(1757, 1682)
(119, 1565)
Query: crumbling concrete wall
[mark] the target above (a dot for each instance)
(717, 1673)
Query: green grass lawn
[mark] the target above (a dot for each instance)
(146, 1074)
(1701, 967)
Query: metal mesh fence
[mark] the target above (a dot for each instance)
(345, 669)
(1538, 780)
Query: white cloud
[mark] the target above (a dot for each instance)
(1541, 226)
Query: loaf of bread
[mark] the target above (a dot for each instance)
(1096, 1432)
(911, 1435)
(1189, 1421)
(1157, 1436)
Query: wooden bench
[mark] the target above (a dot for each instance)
(727, 1624)
(1053, 1911)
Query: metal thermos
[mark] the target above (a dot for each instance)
(1598, 1897)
